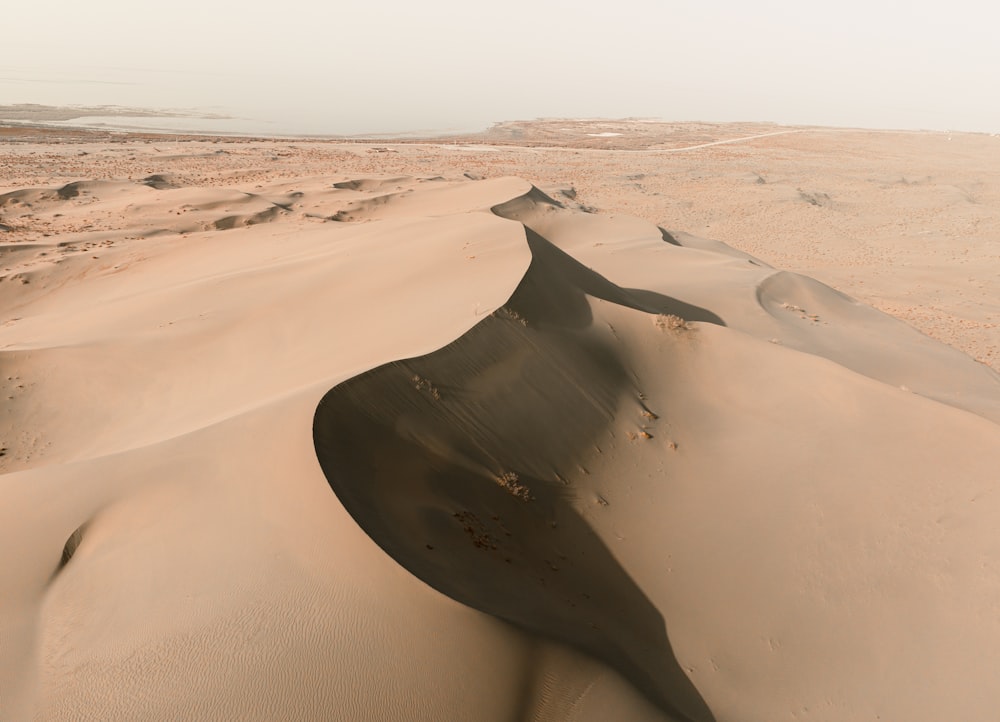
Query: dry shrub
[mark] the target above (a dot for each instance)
(511, 482)
(670, 322)
(511, 315)
(422, 384)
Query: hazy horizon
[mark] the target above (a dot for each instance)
(444, 65)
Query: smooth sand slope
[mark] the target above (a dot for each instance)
(409, 447)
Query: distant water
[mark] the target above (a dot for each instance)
(340, 102)
(181, 101)
(176, 124)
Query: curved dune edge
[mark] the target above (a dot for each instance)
(456, 464)
(748, 509)
(750, 296)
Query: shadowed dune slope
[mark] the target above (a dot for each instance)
(454, 463)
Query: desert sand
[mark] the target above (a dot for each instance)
(566, 421)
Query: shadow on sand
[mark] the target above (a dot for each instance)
(451, 463)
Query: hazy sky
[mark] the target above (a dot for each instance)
(388, 65)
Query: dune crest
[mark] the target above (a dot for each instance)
(456, 463)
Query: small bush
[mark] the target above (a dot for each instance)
(670, 322)
(511, 482)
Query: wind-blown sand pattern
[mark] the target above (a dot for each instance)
(357, 445)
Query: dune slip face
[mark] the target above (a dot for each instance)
(409, 446)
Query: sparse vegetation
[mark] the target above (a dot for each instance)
(511, 482)
(814, 199)
(422, 384)
(510, 314)
(670, 322)
(803, 314)
(476, 530)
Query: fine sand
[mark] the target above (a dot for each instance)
(498, 428)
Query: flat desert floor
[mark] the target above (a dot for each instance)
(568, 420)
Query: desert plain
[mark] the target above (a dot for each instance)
(567, 420)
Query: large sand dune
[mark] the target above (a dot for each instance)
(387, 446)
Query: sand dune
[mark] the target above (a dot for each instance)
(420, 447)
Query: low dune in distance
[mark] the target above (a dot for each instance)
(310, 431)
